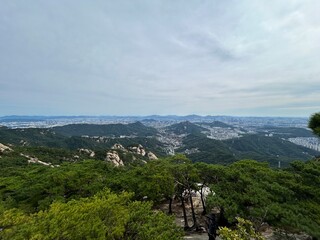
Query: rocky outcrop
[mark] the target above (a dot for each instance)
(118, 146)
(151, 156)
(113, 157)
(4, 148)
(36, 160)
(132, 153)
(87, 151)
(137, 150)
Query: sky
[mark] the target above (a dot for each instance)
(206, 57)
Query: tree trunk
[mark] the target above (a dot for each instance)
(170, 205)
(204, 212)
(186, 225)
(195, 223)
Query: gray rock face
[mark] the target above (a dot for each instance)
(113, 155)
(138, 150)
(87, 151)
(36, 160)
(114, 158)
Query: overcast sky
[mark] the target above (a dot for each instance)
(215, 57)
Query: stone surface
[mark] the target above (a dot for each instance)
(87, 151)
(138, 150)
(36, 160)
(4, 148)
(114, 158)
(152, 156)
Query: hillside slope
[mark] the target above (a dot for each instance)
(116, 130)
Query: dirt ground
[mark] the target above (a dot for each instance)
(177, 212)
(198, 236)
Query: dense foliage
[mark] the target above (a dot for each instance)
(117, 130)
(287, 199)
(243, 231)
(97, 200)
(210, 150)
(103, 216)
(314, 123)
(253, 146)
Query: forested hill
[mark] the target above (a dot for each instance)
(33, 136)
(252, 146)
(271, 149)
(216, 124)
(285, 132)
(116, 130)
(49, 137)
(206, 150)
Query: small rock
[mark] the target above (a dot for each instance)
(152, 156)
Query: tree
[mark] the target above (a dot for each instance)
(288, 199)
(35, 187)
(243, 231)
(185, 176)
(151, 181)
(314, 123)
(208, 175)
(103, 216)
(161, 180)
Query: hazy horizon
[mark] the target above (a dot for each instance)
(150, 115)
(124, 58)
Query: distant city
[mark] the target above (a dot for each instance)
(152, 120)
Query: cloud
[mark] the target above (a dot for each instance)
(145, 57)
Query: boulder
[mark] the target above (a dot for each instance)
(113, 157)
(152, 156)
(138, 150)
(87, 151)
(4, 148)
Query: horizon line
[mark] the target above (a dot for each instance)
(153, 115)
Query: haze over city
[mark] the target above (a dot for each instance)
(244, 58)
